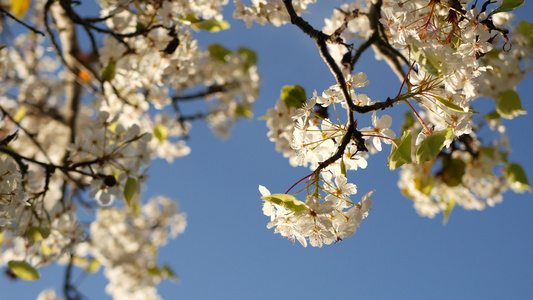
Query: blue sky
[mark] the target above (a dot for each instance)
(227, 252)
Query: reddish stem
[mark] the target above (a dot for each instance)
(299, 182)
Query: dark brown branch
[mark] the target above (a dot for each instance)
(340, 150)
(69, 290)
(321, 40)
(362, 48)
(208, 92)
(381, 44)
(306, 27)
(48, 166)
(30, 135)
(21, 22)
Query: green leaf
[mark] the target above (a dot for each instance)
(139, 27)
(508, 5)
(409, 121)
(167, 272)
(526, 29)
(431, 146)
(90, 265)
(109, 72)
(23, 270)
(37, 233)
(129, 189)
(20, 114)
(288, 201)
(508, 105)
(449, 207)
(430, 63)
(212, 25)
(160, 132)
(218, 52)
(424, 184)
(191, 18)
(492, 116)
(453, 171)
(244, 111)
(400, 153)
(517, 178)
(449, 104)
(249, 55)
(343, 167)
(293, 96)
(93, 266)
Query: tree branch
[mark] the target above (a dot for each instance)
(380, 43)
(21, 22)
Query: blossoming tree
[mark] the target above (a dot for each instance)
(82, 124)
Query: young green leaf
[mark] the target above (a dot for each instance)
(160, 132)
(249, 55)
(93, 266)
(508, 5)
(293, 96)
(343, 167)
(23, 270)
(409, 121)
(400, 153)
(129, 189)
(453, 171)
(213, 25)
(429, 63)
(218, 52)
(244, 111)
(20, 114)
(526, 29)
(109, 72)
(449, 104)
(191, 18)
(424, 184)
(167, 272)
(449, 207)
(37, 233)
(508, 105)
(517, 178)
(288, 201)
(431, 146)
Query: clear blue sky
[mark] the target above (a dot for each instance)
(227, 252)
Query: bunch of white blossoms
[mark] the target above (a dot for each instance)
(125, 242)
(308, 138)
(12, 194)
(321, 222)
(168, 63)
(267, 11)
(88, 126)
(112, 155)
(451, 59)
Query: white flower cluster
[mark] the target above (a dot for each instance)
(12, 194)
(308, 139)
(267, 11)
(96, 135)
(468, 178)
(119, 154)
(452, 60)
(144, 63)
(123, 241)
(320, 222)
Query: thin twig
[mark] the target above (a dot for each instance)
(21, 22)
